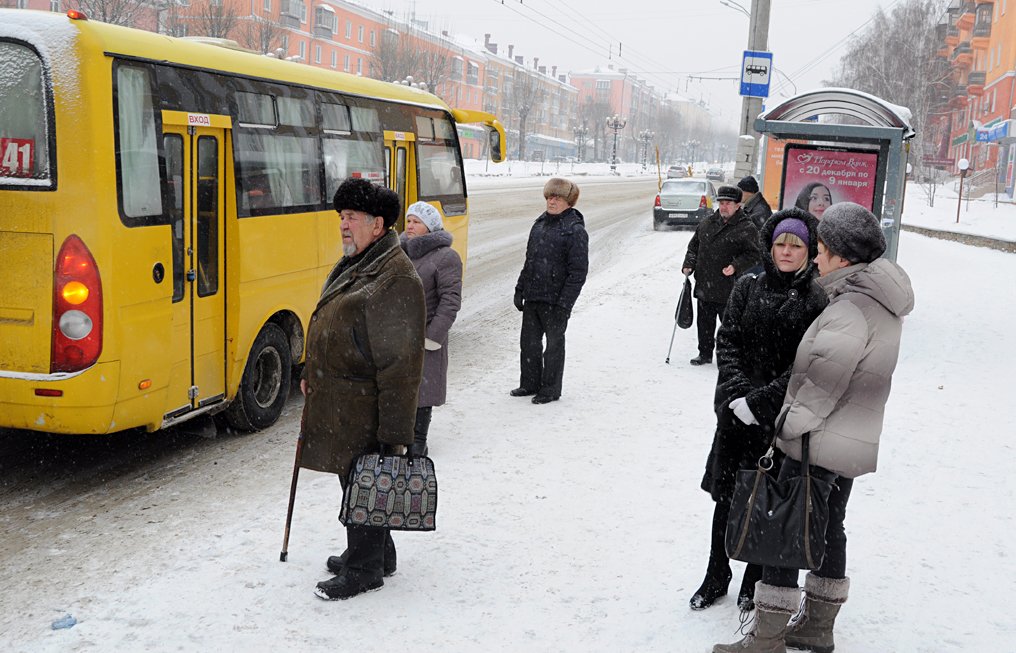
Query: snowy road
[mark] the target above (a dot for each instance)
(576, 526)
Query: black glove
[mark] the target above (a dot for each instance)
(519, 303)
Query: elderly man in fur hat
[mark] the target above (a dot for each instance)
(557, 259)
(365, 348)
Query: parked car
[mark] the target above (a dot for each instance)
(715, 174)
(676, 172)
(683, 202)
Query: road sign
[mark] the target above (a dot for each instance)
(756, 69)
(993, 133)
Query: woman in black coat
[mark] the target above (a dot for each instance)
(765, 319)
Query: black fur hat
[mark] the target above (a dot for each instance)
(732, 193)
(364, 195)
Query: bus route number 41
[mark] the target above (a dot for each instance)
(17, 157)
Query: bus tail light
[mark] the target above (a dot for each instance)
(657, 202)
(77, 308)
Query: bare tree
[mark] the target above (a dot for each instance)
(593, 113)
(170, 20)
(214, 18)
(115, 12)
(432, 68)
(403, 51)
(397, 53)
(525, 94)
(668, 133)
(260, 34)
(896, 59)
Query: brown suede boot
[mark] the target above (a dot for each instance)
(773, 607)
(812, 629)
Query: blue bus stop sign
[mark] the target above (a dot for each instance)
(756, 69)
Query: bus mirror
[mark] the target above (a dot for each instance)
(496, 145)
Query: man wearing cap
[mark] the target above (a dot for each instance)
(753, 203)
(724, 247)
(837, 393)
(365, 347)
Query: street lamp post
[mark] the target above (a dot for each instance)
(580, 141)
(692, 148)
(616, 123)
(644, 137)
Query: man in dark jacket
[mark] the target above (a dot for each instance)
(557, 259)
(724, 247)
(753, 203)
(365, 347)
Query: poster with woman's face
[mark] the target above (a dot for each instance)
(815, 178)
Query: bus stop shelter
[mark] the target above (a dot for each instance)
(860, 158)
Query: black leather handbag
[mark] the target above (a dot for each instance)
(391, 491)
(778, 523)
(684, 314)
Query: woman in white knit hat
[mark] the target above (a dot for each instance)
(428, 246)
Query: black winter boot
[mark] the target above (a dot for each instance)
(336, 563)
(420, 429)
(714, 586)
(364, 568)
(746, 595)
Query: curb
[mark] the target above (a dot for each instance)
(966, 239)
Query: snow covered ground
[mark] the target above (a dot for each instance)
(579, 526)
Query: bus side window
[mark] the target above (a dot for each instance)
(259, 194)
(173, 144)
(207, 249)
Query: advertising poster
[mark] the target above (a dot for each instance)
(820, 176)
(772, 174)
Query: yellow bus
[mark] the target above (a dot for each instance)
(166, 220)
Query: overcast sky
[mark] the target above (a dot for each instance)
(666, 42)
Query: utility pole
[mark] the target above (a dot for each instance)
(758, 40)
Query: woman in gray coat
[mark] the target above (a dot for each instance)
(838, 389)
(428, 246)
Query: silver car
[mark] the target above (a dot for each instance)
(683, 202)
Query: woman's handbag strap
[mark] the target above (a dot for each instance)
(766, 461)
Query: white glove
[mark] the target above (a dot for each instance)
(431, 345)
(740, 408)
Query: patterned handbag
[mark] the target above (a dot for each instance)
(387, 491)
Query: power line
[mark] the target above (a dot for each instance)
(826, 53)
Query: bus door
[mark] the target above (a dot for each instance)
(398, 163)
(195, 160)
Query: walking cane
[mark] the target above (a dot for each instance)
(677, 310)
(672, 334)
(292, 498)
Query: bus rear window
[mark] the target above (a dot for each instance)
(24, 151)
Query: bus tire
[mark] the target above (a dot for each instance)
(264, 387)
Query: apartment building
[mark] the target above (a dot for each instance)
(975, 123)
